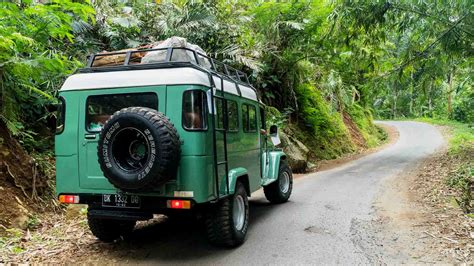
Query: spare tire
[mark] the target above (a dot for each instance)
(139, 149)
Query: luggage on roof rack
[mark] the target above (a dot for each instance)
(148, 58)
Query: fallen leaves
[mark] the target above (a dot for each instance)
(448, 225)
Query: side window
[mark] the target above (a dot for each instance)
(249, 118)
(245, 117)
(99, 108)
(220, 113)
(252, 118)
(60, 115)
(194, 110)
(233, 116)
(262, 118)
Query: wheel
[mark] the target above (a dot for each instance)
(108, 230)
(228, 222)
(138, 149)
(280, 190)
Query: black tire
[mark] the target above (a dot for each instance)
(273, 192)
(109, 230)
(220, 226)
(139, 149)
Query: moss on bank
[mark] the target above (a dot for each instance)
(364, 120)
(327, 133)
(322, 129)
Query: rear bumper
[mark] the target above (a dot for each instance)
(148, 207)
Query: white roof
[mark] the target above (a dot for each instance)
(150, 77)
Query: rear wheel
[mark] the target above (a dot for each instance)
(228, 222)
(108, 230)
(280, 190)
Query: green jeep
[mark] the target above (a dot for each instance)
(183, 134)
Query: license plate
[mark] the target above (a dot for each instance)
(122, 201)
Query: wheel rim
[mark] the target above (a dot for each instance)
(285, 182)
(130, 149)
(238, 212)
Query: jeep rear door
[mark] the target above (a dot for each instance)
(96, 107)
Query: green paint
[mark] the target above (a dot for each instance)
(78, 171)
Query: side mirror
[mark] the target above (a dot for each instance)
(273, 130)
(274, 135)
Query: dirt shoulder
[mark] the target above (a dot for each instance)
(419, 219)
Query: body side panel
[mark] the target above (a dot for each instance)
(271, 165)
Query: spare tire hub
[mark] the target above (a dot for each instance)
(130, 149)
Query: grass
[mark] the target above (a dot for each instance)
(462, 135)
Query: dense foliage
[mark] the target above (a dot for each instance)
(315, 61)
(419, 56)
(36, 43)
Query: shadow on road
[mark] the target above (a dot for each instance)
(178, 240)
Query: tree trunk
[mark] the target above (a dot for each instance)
(430, 105)
(394, 103)
(450, 92)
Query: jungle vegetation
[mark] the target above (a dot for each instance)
(315, 62)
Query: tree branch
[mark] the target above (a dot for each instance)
(424, 52)
(430, 16)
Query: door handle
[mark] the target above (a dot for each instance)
(89, 136)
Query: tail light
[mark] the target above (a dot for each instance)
(179, 204)
(69, 199)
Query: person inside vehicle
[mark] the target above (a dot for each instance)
(193, 117)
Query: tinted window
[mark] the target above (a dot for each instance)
(60, 114)
(245, 117)
(252, 118)
(194, 110)
(101, 107)
(249, 118)
(233, 116)
(220, 113)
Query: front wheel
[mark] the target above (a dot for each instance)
(280, 190)
(228, 221)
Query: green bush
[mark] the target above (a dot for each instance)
(463, 110)
(275, 117)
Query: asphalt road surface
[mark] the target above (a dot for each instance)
(321, 223)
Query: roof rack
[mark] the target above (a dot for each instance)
(170, 57)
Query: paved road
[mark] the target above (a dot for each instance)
(321, 223)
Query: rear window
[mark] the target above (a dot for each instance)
(101, 107)
(194, 110)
